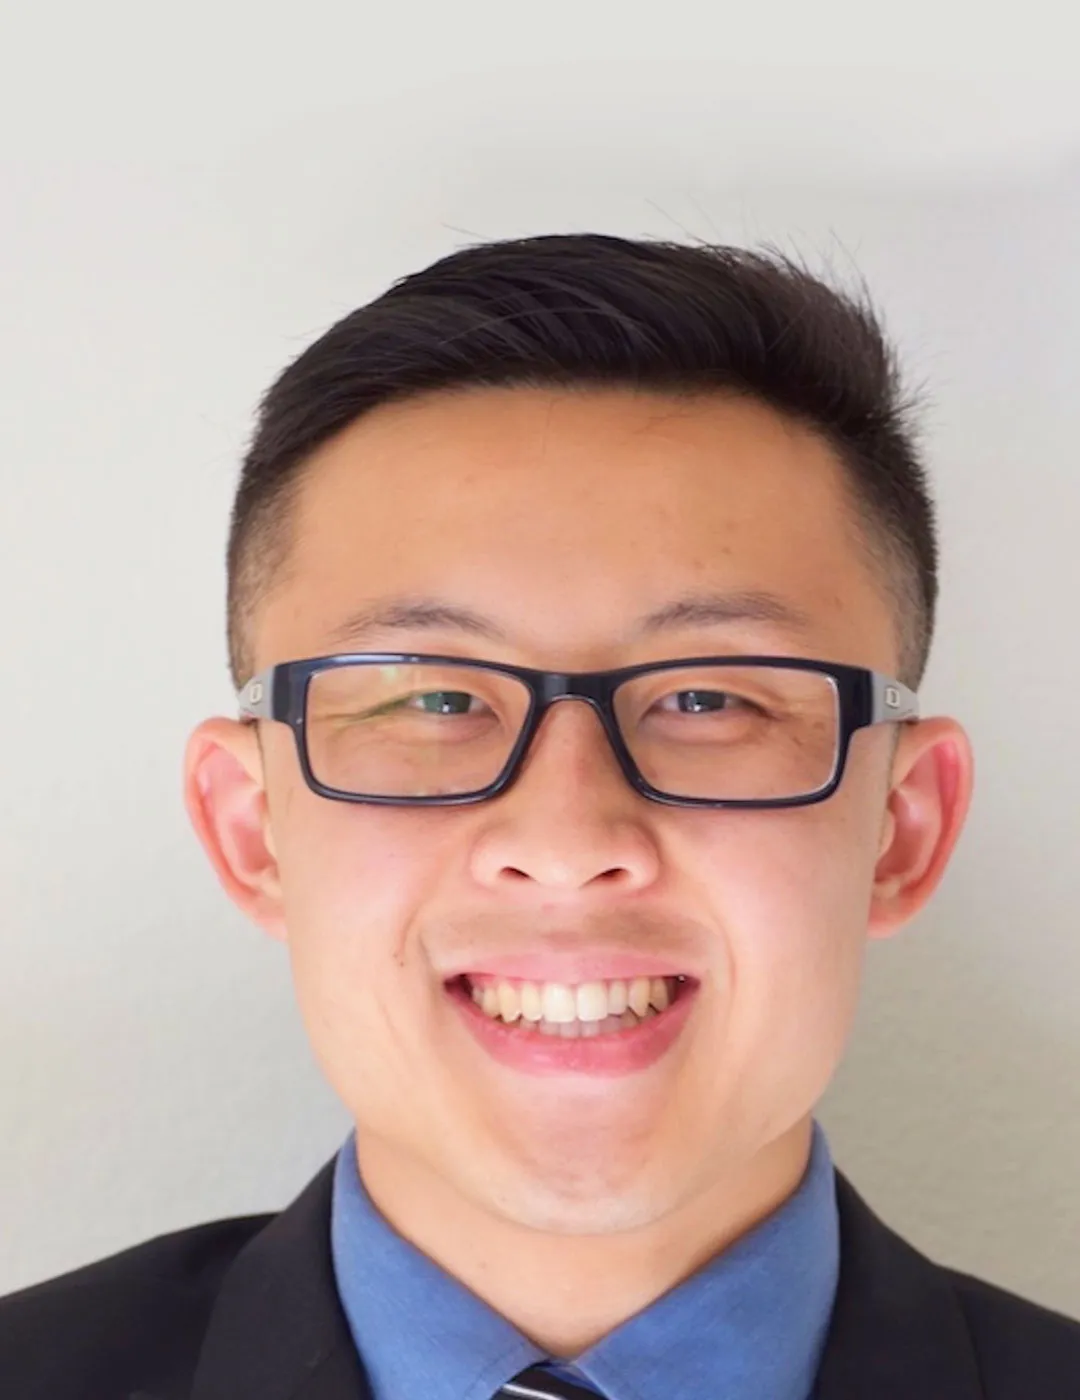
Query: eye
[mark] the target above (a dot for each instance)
(709, 701)
(453, 702)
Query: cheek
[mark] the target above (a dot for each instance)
(339, 856)
(792, 896)
(352, 880)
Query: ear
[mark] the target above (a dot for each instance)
(928, 800)
(225, 796)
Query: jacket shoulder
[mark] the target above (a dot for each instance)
(1023, 1349)
(129, 1322)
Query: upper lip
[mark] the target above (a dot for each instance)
(571, 968)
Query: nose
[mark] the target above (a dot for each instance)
(570, 819)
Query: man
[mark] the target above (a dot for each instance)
(580, 972)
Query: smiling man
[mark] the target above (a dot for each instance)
(579, 594)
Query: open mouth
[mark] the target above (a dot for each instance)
(609, 1008)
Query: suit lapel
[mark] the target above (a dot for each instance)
(277, 1331)
(897, 1331)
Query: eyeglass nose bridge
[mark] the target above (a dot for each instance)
(595, 689)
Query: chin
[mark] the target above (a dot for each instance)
(583, 1205)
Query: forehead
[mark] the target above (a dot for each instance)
(564, 515)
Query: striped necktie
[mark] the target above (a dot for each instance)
(538, 1383)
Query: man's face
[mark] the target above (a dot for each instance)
(565, 517)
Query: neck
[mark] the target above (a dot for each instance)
(566, 1292)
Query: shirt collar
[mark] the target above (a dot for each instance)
(750, 1322)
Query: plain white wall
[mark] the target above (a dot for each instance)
(182, 209)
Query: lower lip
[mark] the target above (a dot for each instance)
(618, 1052)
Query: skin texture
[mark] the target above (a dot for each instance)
(570, 1203)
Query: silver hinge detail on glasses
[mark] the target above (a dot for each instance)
(893, 700)
(253, 699)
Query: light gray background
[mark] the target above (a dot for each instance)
(186, 201)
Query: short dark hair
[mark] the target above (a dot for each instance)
(593, 310)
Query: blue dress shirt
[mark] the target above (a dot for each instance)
(750, 1323)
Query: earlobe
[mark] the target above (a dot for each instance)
(927, 805)
(225, 797)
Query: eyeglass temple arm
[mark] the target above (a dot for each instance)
(892, 700)
(255, 698)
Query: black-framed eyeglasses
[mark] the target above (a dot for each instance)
(706, 731)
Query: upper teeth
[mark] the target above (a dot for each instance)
(558, 1002)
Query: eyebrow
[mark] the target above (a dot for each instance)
(698, 609)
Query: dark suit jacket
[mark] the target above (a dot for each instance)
(246, 1309)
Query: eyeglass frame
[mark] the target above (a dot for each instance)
(865, 698)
